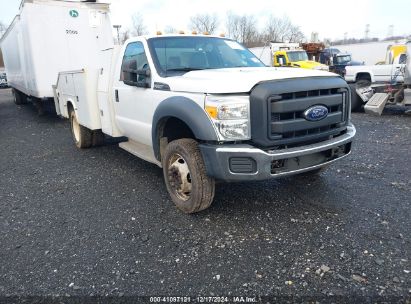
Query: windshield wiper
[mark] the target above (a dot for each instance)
(184, 69)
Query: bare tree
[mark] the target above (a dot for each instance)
(204, 23)
(296, 35)
(243, 29)
(281, 30)
(139, 27)
(232, 26)
(124, 36)
(169, 29)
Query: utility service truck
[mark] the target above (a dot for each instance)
(204, 108)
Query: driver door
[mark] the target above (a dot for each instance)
(133, 95)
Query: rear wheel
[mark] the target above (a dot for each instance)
(18, 97)
(82, 136)
(185, 176)
(97, 138)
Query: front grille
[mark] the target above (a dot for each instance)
(277, 109)
(287, 123)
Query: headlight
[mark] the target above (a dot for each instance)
(230, 115)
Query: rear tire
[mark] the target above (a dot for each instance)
(38, 104)
(187, 182)
(18, 97)
(97, 138)
(82, 136)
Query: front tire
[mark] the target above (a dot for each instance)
(82, 136)
(185, 176)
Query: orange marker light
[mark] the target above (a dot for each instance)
(212, 111)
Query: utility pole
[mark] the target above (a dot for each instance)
(367, 31)
(390, 32)
(117, 27)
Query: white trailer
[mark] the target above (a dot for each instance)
(49, 36)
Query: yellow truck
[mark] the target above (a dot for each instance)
(286, 54)
(291, 54)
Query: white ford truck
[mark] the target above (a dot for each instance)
(205, 108)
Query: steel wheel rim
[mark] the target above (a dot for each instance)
(76, 128)
(179, 177)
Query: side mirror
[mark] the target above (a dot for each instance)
(134, 77)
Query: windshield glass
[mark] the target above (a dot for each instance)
(343, 59)
(297, 56)
(177, 55)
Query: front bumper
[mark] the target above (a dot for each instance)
(246, 162)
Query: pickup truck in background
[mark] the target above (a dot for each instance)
(204, 109)
(365, 80)
(340, 61)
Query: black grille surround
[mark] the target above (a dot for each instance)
(277, 108)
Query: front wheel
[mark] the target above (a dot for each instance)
(185, 176)
(81, 135)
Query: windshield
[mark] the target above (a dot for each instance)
(178, 55)
(343, 59)
(297, 56)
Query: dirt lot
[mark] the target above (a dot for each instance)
(99, 221)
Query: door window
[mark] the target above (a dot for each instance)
(134, 59)
(281, 58)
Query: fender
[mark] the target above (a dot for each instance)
(187, 111)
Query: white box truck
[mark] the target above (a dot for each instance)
(205, 108)
(48, 37)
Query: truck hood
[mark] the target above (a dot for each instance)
(309, 64)
(235, 80)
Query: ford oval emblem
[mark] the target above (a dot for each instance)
(315, 113)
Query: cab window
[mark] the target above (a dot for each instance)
(134, 59)
(281, 58)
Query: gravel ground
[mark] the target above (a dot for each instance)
(99, 221)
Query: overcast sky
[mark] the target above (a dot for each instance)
(331, 19)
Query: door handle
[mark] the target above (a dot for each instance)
(116, 94)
